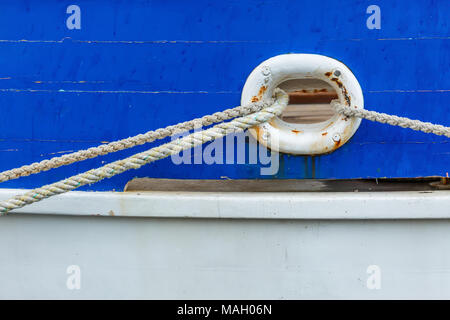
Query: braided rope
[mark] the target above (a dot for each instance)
(138, 160)
(417, 125)
(130, 142)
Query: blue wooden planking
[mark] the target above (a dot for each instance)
(141, 65)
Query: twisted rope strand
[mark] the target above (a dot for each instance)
(417, 125)
(138, 160)
(249, 116)
(130, 142)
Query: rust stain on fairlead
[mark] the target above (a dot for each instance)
(296, 131)
(338, 82)
(337, 144)
(260, 94)
(341, 86)
(328, 125)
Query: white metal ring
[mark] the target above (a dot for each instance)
(304, 139)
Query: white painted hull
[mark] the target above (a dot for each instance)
(214, 246)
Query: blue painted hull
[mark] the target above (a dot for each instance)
(141, 65)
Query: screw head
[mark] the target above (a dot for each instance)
(265, 71)
(336, 137)
(337, 73)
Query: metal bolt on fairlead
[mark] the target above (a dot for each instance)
(336, 137)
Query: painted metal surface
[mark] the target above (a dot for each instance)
(304, 139)
(222, 258)
(246, 205)
(141, 65)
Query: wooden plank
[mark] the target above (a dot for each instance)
(287, 185)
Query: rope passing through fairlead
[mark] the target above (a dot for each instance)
(245, 117)
(138, 160)
(403, 122)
